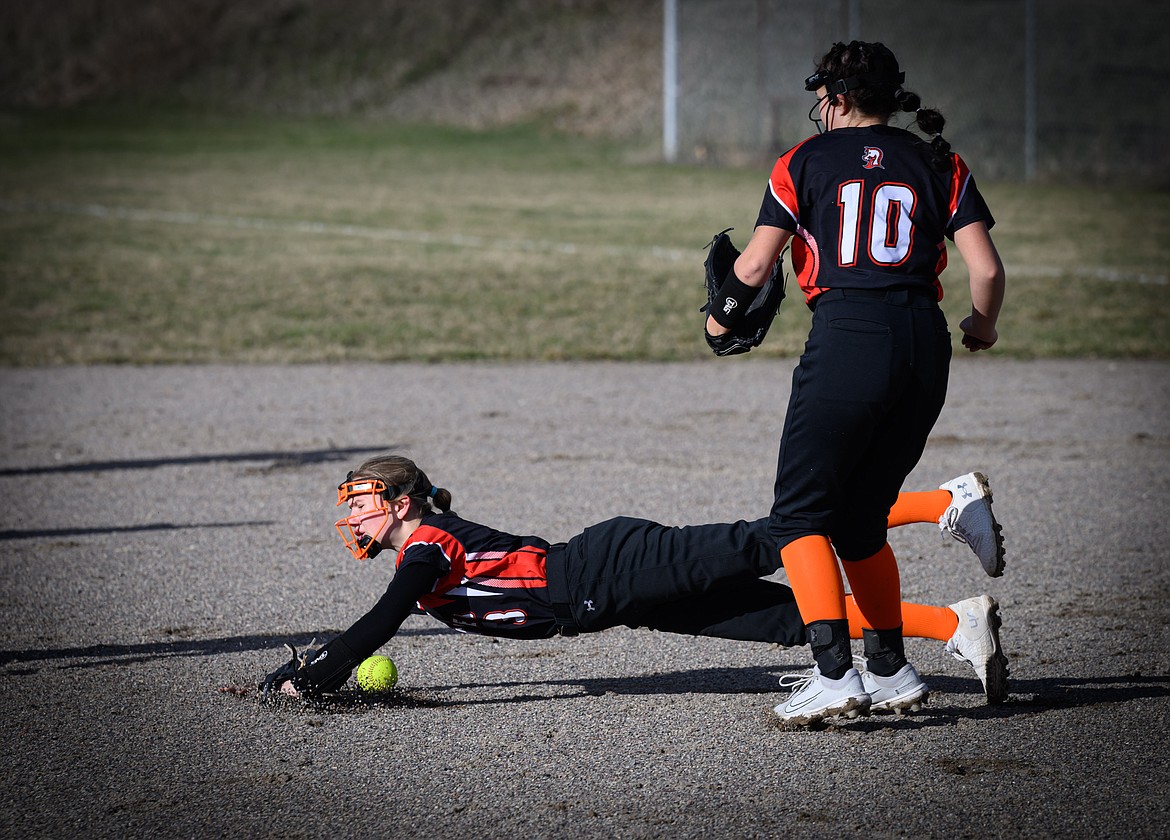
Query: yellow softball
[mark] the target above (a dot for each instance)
(377, 674)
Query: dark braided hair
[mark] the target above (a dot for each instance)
(402, 477)
(867, 74)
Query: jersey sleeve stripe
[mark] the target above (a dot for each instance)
(781, 186)
(476, 556)
(960, 177)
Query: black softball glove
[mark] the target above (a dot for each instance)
(750, 329)
(314, 671)
(293, 670)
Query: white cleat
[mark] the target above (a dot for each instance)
(976, 641)
(815, 697)
(901, 693)
(969, 520)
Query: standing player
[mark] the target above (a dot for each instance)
(702, 580)
(867, 208)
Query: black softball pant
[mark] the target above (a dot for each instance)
(869, 387)
(700, 580)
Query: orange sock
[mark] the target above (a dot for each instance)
(919, 620)
(927, 506)
(815, 578)
(877, 588)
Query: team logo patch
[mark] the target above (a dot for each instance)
(871, 158)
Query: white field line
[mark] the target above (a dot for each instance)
(1111, 275)
(421, 237)
(415, 237)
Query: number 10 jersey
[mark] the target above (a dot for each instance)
(868, 210)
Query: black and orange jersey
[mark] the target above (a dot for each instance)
(868, 211)
(490, 582)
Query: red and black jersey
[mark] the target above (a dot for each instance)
(698, 580)
(868, 209)
(490, 582)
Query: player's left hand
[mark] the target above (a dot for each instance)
(753, 325)
(281, 681)
(714, 328)
(974, 342)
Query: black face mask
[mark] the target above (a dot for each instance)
(371, 546)
(814, 114)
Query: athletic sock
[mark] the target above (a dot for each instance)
(919, 621)
(815, 578)
(876, 588)
(927, 506)
(877, 591)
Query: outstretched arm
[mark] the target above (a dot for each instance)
(331, 666)
(379, 625)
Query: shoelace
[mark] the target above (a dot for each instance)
(953, 650)
(797, 681)
(951, 526)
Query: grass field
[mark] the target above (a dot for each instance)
(165, 238)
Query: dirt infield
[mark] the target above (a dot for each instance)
(166, 529)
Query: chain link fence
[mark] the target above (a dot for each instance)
(1061, 91)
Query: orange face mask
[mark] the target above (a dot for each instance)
(369, 522)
